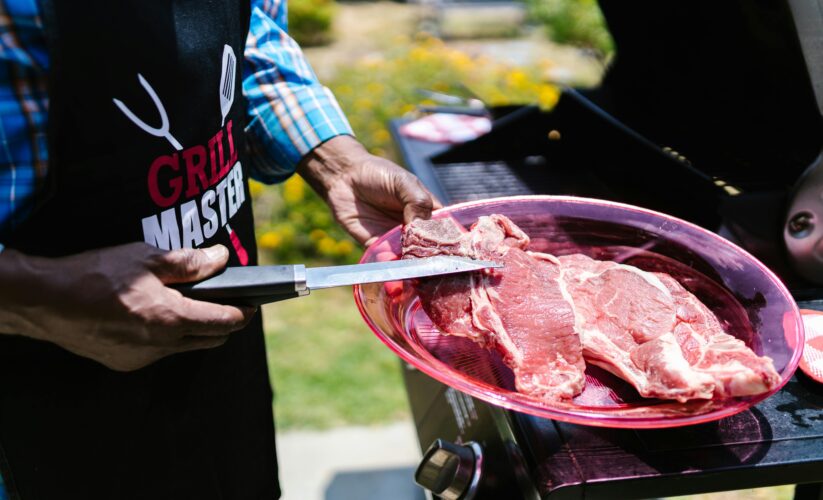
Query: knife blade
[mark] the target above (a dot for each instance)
(255, 285)
(374, 272)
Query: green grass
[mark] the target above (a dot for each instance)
(785, 492)
(327, 367)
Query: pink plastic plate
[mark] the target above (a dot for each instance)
(750, 301)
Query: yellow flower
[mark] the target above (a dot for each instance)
(381, 136)
(362, 104)
(344, 247)
(517, 79)
(293, 190)
(419, 54)
(547, 96)
(326, 246)
(374, 88)
(460, 60)
(317, 235)
(287, 231)
(270, 240)
(497, 97)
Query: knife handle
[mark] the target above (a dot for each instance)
(250, 285)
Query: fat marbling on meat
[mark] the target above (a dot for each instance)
(626, 319)
(736, 369)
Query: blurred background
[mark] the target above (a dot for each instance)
(332, 377)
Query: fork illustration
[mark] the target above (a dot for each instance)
(163, 130)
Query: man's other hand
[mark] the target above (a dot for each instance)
(113, 305)
(367, 194)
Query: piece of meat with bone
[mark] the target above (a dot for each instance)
(626, 319)
(736, 369)
(518, 310)
(446, 299)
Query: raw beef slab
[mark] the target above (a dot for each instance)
(545, 313)
(650, 331)
(626, 320)
(519, 310)
(736, 369)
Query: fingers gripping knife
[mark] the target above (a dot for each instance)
(257, 285)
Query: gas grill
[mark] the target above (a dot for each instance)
(586, 146)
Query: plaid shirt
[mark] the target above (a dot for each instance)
(289, 112)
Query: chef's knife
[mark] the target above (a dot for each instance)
(255, 285)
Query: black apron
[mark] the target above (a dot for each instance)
(165, 166)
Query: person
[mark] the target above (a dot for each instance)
(130, 130)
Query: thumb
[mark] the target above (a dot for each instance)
(417, 201)
(190, 264)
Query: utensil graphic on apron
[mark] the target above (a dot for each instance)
(227, 82)
(242, 254)
(227, 75)
(163, 130)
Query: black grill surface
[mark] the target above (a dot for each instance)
(490, 179)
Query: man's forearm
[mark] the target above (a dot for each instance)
(328, 162)
(22, 291)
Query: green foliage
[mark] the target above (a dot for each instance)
(577, 22)
(310, 21)
(326, 367)
(294, 225)
(380, 88)
(784, 492)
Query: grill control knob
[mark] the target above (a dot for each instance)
(451, 471)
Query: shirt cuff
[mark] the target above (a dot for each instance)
(290, 122)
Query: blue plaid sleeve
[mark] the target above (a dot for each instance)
(289, 111)
(23, 110)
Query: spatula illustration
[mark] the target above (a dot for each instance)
(227, 82)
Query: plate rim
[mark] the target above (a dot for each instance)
(593, 419)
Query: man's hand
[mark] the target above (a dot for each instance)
(112, 305)
(367, 194)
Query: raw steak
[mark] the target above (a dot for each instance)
(736, 369)
(626, 319)
(650, 331)
(544, 314)
(519, 310)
